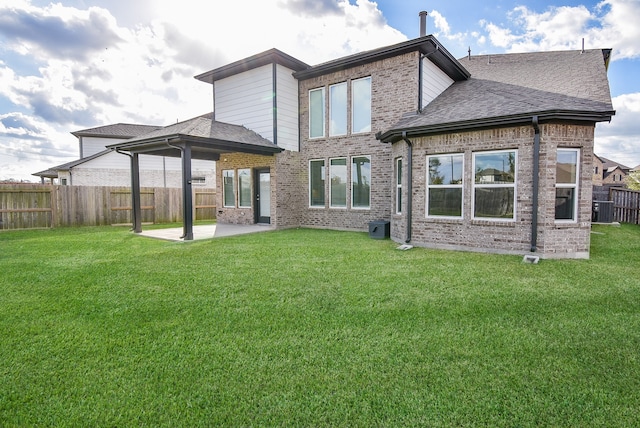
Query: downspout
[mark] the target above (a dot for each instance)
(409, 184)
(536, 180)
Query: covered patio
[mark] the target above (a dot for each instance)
(199, 138)
(208, 231)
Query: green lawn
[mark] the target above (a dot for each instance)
(99, 327)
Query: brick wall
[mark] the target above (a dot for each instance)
(554, 239)
(235, 161)
(394, 84)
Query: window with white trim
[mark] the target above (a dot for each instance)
(567, 174)
(360, 182)
(361, 105)
(316, 113)
(494, 185)
(338, 183)
(444, 185)
(338, 109)
(399, 186)
(244, 188)
(228, 176)
(316, 183)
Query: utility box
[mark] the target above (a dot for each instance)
(602, 212)
(379, 229)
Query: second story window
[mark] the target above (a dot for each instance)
(316, 113)
(361, 105)
(349, 109)
(338, 109)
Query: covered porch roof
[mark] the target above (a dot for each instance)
(206, 137)
(197, 138)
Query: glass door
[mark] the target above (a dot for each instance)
(263, 196)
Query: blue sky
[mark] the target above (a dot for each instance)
(77, 64)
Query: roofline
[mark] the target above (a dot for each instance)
(83, 133)
(395, 135)
(426, 45)
(223, 145)
(67, 166)
(249, 63)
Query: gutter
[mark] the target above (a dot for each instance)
(536, 181)
(395, 135)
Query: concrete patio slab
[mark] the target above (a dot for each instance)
(208, 231)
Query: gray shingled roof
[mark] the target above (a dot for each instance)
(204, 134)
(117, 130)
(511, 88)
(270, 56)
(610, 164)
(428, 45)
(53, 171)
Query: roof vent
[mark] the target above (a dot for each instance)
(423, 23)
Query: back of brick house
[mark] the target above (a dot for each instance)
(484, 153)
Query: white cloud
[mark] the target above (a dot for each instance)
(29, 145)
(612, 24)
(93, 70)
(619, 140)
(443, 30)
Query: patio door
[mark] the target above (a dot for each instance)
(263, 196)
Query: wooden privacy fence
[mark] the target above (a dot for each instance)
(28, 206)
(626, 205)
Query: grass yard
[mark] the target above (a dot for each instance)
(99, 327)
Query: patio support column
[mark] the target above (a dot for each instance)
(136, 211)
(187, 195)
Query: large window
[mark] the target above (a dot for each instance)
(361, 105)
(360, 182)
(316, 113)
(444, 185)
(244, 188)
(228, 188)
(567, 166)
(316, 183)
(338, 109)
(338, 188)
(399, 186)
(494, 188)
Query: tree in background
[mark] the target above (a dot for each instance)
(633, 180)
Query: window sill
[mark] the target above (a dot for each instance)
(566, 224)
(497, 223)
(435, 219)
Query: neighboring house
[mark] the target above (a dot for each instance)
(99, 166)
(598, 170)
(487, 153)
(611, 173)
